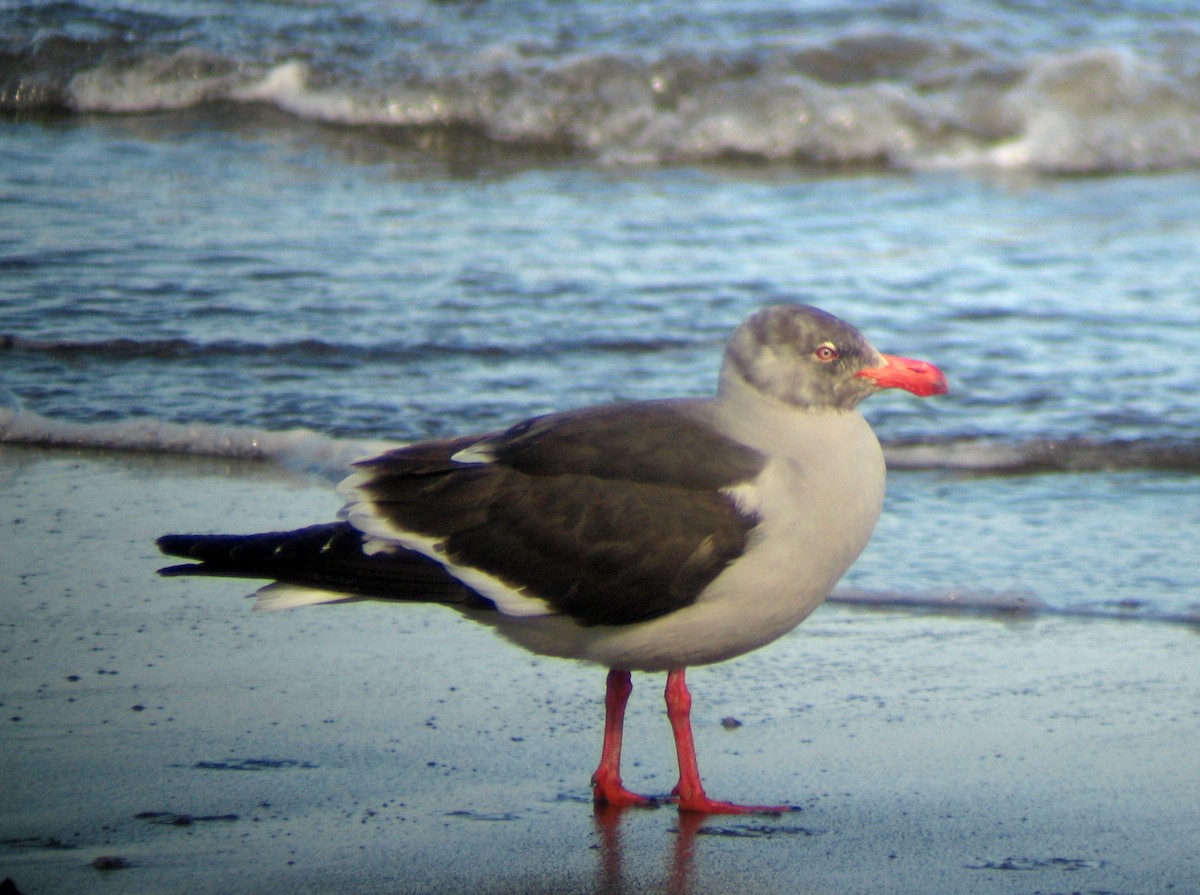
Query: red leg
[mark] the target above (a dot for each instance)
(690, 791)
(606, 782)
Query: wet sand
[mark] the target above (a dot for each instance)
(158, 736)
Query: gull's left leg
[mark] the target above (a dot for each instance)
(690, 794)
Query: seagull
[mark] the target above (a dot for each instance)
(649, 536)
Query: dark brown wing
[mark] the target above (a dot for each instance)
(612, 515)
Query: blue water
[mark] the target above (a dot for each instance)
(219, 221)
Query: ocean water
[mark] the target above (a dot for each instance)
(295, 230)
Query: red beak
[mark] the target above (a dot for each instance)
(916, 376)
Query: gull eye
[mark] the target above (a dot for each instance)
(827, 353)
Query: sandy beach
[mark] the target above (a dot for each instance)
(159, 736)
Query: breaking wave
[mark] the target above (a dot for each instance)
(883, 100)
(1009, 606)
(298, 449)
(1042, 455)
(307, 449)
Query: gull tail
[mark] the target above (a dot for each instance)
(319, 564)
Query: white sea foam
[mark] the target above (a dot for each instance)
(1090, 111)
(300, 449)
(311, 451)
(1008, 605)
(1096, 110)
(157, 82)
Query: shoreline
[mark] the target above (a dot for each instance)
(374, 748)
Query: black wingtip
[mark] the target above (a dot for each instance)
(176, 545)
(183, 546)
(190, 568)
